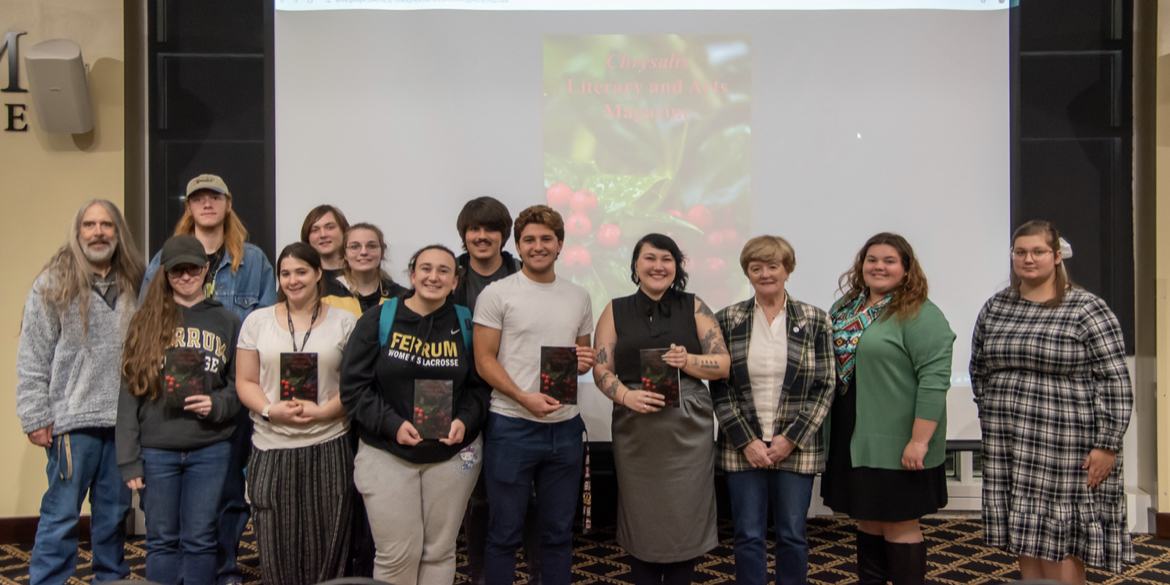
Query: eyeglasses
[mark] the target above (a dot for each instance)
(190, 270)
(370, 247)
(1036, 254)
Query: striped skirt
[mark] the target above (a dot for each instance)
(301, 511)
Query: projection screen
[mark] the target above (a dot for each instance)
(822, 122)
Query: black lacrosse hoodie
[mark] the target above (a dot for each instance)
(378, 381)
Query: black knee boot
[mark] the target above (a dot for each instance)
(872, 565)
(907, 562)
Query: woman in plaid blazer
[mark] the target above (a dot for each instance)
(770, 409)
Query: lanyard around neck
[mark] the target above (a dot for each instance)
(293, 333)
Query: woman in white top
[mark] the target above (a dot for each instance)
(300, 476)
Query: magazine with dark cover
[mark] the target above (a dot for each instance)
(298, 375)
(183, 375)
(660, 377)
(432, 408)
(558, 373)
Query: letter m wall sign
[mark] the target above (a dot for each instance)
(11, 47)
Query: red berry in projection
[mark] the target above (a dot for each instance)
(583, 202)
(576, 258)
(731, 238)
(714, 267)
(558, 196)
(578, 225)
(715, 240)
(676, 213)
(609, 235)
(701, 216)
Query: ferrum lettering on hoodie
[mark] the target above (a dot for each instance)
(196, 338)
(411, 348)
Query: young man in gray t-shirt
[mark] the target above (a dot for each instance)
(531, 437)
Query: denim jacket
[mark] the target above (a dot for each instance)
(252, 287)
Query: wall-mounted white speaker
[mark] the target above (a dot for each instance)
(60, 91)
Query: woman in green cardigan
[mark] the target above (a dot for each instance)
(885, 468)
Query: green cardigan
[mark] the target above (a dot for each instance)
(903, 372)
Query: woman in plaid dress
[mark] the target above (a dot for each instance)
(1049, 376)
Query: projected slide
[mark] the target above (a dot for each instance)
(824, 122)
(649, 133)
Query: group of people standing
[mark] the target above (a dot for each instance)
(343, 483)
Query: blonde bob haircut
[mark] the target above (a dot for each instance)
(768, 249)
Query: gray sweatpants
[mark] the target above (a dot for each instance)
(415, 511)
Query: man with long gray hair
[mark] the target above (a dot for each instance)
(68, 376)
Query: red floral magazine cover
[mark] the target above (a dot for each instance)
(183, 375)
(660, 377)
(558, 373)
(432, 408)
(298, 376)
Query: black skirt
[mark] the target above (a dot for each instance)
(870, 493)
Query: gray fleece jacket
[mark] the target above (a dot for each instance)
(65, 377)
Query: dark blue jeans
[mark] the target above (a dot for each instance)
(517, 454)
(233, 504)
(789, 494)
(81, 462)
(180, 517)
(475, 527)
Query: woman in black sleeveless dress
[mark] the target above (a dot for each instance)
(664, 454)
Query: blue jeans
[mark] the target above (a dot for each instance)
(181, 512)
(233, 504)
(517, 454)
(82, 461)
(789, 494)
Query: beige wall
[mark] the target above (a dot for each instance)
(43, 179)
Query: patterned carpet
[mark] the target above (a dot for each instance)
(957, 555)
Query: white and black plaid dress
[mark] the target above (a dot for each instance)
(1051, 385)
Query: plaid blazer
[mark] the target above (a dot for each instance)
(809, 385)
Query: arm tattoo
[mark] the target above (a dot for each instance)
(707, 363)
(609, 390)
(712, 343)
(705, 311)
(602, 357)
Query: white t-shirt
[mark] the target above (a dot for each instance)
(261, 332)
(529, 315)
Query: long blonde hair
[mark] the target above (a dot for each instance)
(909, 295)
(151, 332)
(70, 274)
(234, 234)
